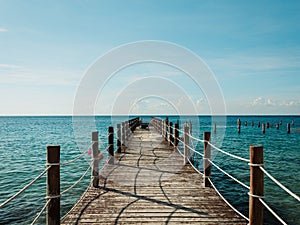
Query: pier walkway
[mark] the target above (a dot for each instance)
(148, 184)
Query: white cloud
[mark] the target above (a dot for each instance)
(8, 66)
(13, 74)
(261, 101)
(3, 30)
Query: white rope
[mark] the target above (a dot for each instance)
(194, 167)
(238, 212)
(255, 196)
(73, 160)
(236, 180)
(179, 151)
(73, 185)
(279, 184)
(24, 188)
(271, 211)
(180, 131)
(181, 141)
(189, 147)
(229, 154)
(40, 213)
(196, 139)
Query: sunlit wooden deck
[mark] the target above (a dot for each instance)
(148, 184)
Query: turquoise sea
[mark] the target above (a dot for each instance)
(23, 142)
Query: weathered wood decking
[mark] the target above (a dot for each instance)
(149, 185)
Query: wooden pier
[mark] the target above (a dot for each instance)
(149, 184)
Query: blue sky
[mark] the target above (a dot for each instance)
(253, 49)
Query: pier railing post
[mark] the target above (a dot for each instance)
(95, 159)
(53, 185)
(186, 144)
(206, 158)
(176, 134)
(119, 138)
(123, 134)
(256, 186)
(167, 129)
(171, 139)
(111, 145)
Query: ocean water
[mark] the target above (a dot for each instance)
(23, 142)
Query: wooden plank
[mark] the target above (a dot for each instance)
(148, 184)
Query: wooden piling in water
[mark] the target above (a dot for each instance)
(53, 185)
(111, 145)
(215, 127)
(263, 128)
(258, 124)
(268, 125)
(256, 186)
(288, 128)
(239, 125)
(206, 158)
(95, 159)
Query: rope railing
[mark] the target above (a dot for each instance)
(73, 160)
(272, 211)
(228, 203)
(192, 148)
(227, 174)
(229, 154)
(280, 185)
(41, 212)
(77, 182)
(24, 188)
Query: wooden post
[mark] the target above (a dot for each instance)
(95, 159)
(258, 125)
(119, 138)
(186, 144)
(256, 186)
(207, 155)
(263, 128)
(123, 134)
(53, 185)
(246, 123)
(288, 128)
(268, 125)
(171, 139)
(111, 145)
(176, 134)
(239, 125)
(280, 123)
(167, 129)
(215, 127)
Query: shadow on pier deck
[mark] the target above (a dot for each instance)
(148, 184)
